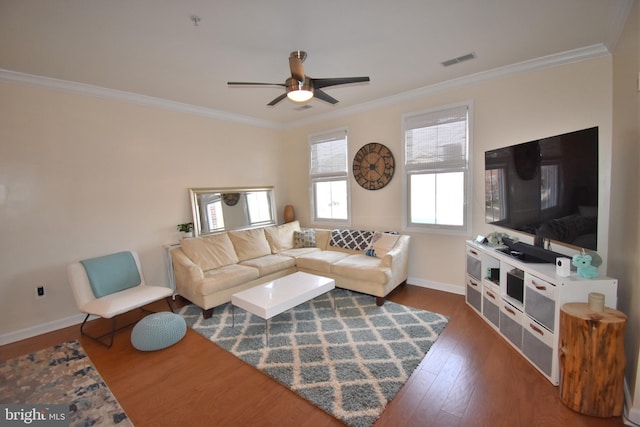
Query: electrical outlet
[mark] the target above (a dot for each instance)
(40, 292)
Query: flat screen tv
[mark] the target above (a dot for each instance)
(547, 188)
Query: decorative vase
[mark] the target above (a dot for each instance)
(289, 214)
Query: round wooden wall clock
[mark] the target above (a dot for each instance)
(230, 199)
(373, 166)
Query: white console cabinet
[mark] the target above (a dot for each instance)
(522, 301)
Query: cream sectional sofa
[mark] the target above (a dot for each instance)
(209, 269)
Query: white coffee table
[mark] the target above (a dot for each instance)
(275, 297)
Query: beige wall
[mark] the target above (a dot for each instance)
(82, 176)
(505, 111)
(624, 243)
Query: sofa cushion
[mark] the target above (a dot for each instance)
(280, 237)
(226, 277)
(322, 238)
(270, 263)
(209, 252)
(320, 261)
(298, 252)
(250, 244)
(304, 239)
(357, 240)
(362, 267)
(382, 243)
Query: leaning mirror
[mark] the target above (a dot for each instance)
(223, 209)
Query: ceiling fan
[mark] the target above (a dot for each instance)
(300, 87)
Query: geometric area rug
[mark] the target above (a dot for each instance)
(61, 375)
(350, 360)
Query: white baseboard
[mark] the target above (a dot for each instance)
(630, 413)
(446, 287)
(41, 329)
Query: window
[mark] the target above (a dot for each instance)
(328, 171)
(259, 207)
(436, 147)
(495, 194)
(215, 219)
(549, 186)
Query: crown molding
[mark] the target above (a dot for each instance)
(8, 76)
(618, 22)
(582, 54)
(576, 55)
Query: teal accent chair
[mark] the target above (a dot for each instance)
(110, 285)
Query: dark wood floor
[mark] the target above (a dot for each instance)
(470, 377)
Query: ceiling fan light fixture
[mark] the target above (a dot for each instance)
(300, 95)
(299, 91)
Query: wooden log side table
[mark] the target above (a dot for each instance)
(591, 359)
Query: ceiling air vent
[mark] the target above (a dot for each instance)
(459, 59)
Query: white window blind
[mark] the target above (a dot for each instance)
(436, 140)
(329, 155)
(328, 170)
(436, 148)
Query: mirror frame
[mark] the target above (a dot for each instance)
(194, 194)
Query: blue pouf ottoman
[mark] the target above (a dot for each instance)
(158, 331)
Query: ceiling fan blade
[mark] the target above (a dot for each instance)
(299, 82)
(295, 64)
(278, 99)
(255, 84)
(320, 83)
(317, 93)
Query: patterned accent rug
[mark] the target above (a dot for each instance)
(62, 374)
(350, 361)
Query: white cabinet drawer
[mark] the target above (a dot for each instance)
(474, 263)
(537, 346)
(540, 301)
(473, 252)
(511, 324)
(512, 312)
(491, 306)
(541, 286)
(493, 287)
(539, 332)
(474, 283)
(473, 293)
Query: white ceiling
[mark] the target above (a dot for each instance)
(152, 47)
